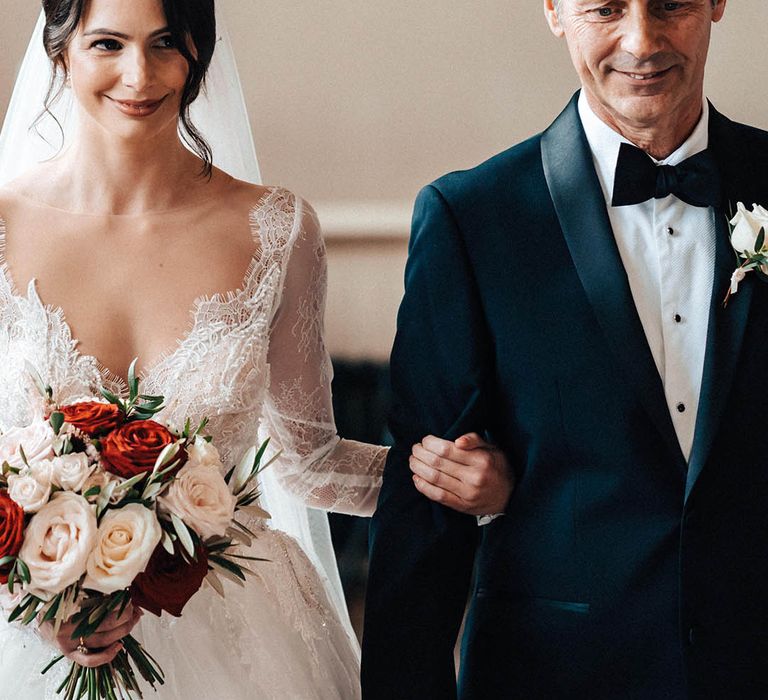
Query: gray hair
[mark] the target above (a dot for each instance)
(560, 2)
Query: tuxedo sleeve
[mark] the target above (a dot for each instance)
(422, 553)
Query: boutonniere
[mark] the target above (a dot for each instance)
(748, 240)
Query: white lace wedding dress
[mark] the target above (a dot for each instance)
(254, 362)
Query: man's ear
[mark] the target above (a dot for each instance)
(718, 10)
(552, 18)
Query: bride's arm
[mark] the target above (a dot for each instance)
(315, 464)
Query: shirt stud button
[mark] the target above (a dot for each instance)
(681, 408)
(670, 231)
(678, 318)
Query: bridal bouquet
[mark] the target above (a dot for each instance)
(100, 505)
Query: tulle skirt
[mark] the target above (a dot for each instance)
(276, 638)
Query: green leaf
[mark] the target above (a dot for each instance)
(24, 574)
(272, 459)
(243, 528)
(56, 420)
(103, 500)
(109, 396)
(23, 456)
(93, 491)
(167, 542)
(229, 566)
(215, 582)
(203, 423)
(32, 612)
(53, 608)
(6, 560)
(133, 383)
(37, 379)
(11, 579)
(243, 469)
(226, 573)
(255, 512)
(21, 607)
(184, 537)
(760, 240)
(130, 483)
(151, 490)
(167, 454)
(242, 556)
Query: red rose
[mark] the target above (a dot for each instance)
(134, 447)
(93, 417)
(11, 531)
(169, 581)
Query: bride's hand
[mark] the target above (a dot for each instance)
(103, 645)
(468, 474)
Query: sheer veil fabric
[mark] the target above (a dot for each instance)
(221, 116)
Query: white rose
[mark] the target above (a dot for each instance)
(126, 539)
(202, 453)
(57, 543)
(36, 439)
(747, 225)
(70, 472)
(31, 488)
(202, 499)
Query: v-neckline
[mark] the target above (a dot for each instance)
(108, 376)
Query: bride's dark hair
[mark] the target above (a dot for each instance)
(188, 20)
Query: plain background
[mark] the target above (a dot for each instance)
(357, 104)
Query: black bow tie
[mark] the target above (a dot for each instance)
(695, 181)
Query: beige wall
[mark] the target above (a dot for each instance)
(356, 105)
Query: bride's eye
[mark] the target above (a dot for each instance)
(107, 45)
(166, 42)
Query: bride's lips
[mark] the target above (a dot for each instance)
(138, 108)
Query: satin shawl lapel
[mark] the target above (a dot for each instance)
(581, 210)
(726, 325)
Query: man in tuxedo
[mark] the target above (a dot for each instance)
(566, 298)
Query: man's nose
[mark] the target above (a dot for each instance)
(138, 73)
(642, 34)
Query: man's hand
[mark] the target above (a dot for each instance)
(468, 475)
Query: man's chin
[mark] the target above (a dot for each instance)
(642, 111)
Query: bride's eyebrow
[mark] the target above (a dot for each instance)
(111, 32)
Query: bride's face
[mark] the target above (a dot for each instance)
(124, 70)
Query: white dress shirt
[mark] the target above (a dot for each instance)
(668, 251)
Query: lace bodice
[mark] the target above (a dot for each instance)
(253, 361)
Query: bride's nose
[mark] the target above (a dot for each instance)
(137, 69)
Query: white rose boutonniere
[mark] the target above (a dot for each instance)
(748, 238)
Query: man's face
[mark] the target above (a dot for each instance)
(641, 62)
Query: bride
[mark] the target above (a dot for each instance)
(124, 245)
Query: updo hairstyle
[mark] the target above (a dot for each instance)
(188, 20)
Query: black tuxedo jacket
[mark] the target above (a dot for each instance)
(618, 571)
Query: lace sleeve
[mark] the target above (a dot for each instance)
(315, 465)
